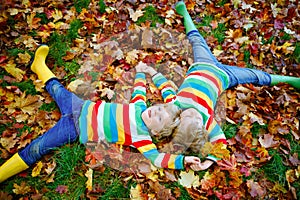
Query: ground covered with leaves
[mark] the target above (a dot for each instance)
(94, 46)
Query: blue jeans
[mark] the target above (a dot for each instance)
(65, 130)
(236, 75)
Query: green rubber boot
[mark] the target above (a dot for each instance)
(187, 20)
(293, 81)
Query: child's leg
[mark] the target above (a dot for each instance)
(62, 133)
(238, 75)
(201, 50)
(68, 103)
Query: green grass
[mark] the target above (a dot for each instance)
(218, 33)
(275, 170)
(222, 2)
(72, 67)
(48, 106)
(80, 4)
(69, 172)
(102, 6)
(296, 54)
(43, 17)
(14, 52)
(150, 15)
(257, 128)
(230, 130)
(75, 25)
(26, 86)
(184, 194)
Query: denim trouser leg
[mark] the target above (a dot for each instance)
(64, 131)
(237, 75)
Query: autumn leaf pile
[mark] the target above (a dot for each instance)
(94, 46)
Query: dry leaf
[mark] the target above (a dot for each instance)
(134, 15)
(37, 169)
(89, 182)
(21, 189)
(189, 179)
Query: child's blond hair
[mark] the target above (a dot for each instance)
(187, 131)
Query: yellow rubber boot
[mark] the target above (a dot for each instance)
(12, 167)
(38, 64)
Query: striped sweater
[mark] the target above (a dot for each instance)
(123, 124)
(202, 86)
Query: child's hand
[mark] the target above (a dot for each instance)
(191, 160)
(142, 67)
(201, 166)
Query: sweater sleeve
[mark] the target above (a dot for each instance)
(168, 93)
(161, 160)
(215, 135)
(139, 90)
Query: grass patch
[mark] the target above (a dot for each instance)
(102, 6)
(230, 130)
(257, 129)
(80, 4)
(68, 172)
(58, 47)
(26, 86)
(222, 2)
(184, 195)
(48, 106)
(275, 169)
(218, 33)
(72, 67)
(75, 25)
(150, 15)
(43, 17)
(14, 52)
(296, 54)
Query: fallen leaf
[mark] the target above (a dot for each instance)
(135, 192)
(37, 169)
(21, 189)
(189, 179)
(10, 67)
(255, 189)
(89, 182)
(61, 189)
(267, 141)
(134, 15)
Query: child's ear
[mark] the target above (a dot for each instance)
(154, 132)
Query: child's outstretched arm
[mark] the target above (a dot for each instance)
(168, 93)
(139, 90)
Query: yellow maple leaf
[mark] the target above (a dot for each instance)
(220, 151)
(89, 182)
(37, 169)
(10, 67)
(189, 179)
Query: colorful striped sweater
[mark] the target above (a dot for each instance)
(123, 124)
(202, 86)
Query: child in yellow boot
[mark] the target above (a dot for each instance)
(126, 124)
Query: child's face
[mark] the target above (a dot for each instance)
(155, 118)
